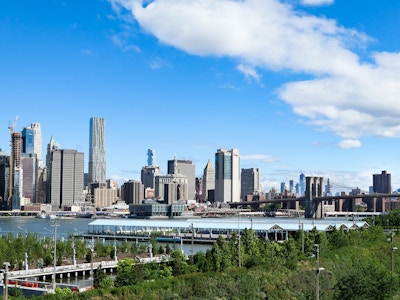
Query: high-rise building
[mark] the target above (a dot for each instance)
(65, 177)
(302, 184)
(4, 180)
(97, 151)
(227, 175)
(283, 187)
(328, 189)
(15, 165)
(37, 142)
(132, 192)
(151, 157)
(250, 182)
(208, 183)
(184, 167)
(382, 183)
(28, 140)
(29, 176)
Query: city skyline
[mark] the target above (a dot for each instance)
(296, 86)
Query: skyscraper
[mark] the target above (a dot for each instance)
(382, 183)
(208, 184)
(302, 184)
(250, 182)
(149, 172)
(37, 142)
(227, 175)
(15, 165)
(28, 139)
(97, 151)
(65, 177)
(184, 167)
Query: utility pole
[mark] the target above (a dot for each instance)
(5, 294)
(192, 241)
(55, 224)
(318, 270)
(302, 237)
(392, 249)
(239, 262)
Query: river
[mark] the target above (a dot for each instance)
(67, 226)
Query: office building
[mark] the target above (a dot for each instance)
(15, 165)
(328, 189)
(65, 177)
(151, 157)
(208, 182)
(302, 185)
(149, 172)
(227, 175)
(28, 139)
(382, 183)
(97, 151)
(184, 167)
(104, 197)
(4, 180)
(250, 182)
(29, 176)
(171, 188)
(132, 192)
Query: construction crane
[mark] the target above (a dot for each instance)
(12, 125)
(11, 175)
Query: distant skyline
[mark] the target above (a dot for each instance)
(295, 85)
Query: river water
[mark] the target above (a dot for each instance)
(65, 227)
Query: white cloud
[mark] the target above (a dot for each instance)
(316, 2)
(344, 94)
(349, 144)
(159, 63)
(249, 72)
(260, 157)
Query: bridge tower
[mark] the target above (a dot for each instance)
(314, 187)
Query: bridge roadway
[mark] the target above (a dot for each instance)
(324, 198)
(74, 269)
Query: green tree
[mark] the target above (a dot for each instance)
(125, 275)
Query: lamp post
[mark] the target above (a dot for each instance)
(73, 253)
(392, 249)
(318, 270)
(55, 224)
(302, 237)
(191, 225)
(5, 294)
(239, 262)
(115, 247)
(91, 260)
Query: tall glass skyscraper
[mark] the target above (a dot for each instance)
(227, 175)
(97, 151)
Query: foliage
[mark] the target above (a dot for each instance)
(62, 292)
(357, 265)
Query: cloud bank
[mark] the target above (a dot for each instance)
(349, 95)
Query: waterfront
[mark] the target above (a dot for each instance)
(43, 227)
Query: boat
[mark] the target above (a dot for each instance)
(41, 215)
(86, 215)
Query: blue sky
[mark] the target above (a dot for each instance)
(297, 86)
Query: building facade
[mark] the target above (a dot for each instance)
(132, 192)
(382, 183)
(185, 167)
(208, 183)
(65, 178)
(227, 175)
(171, 188)
(97, 151)
(250, 182)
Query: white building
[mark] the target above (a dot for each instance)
(227, 175)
